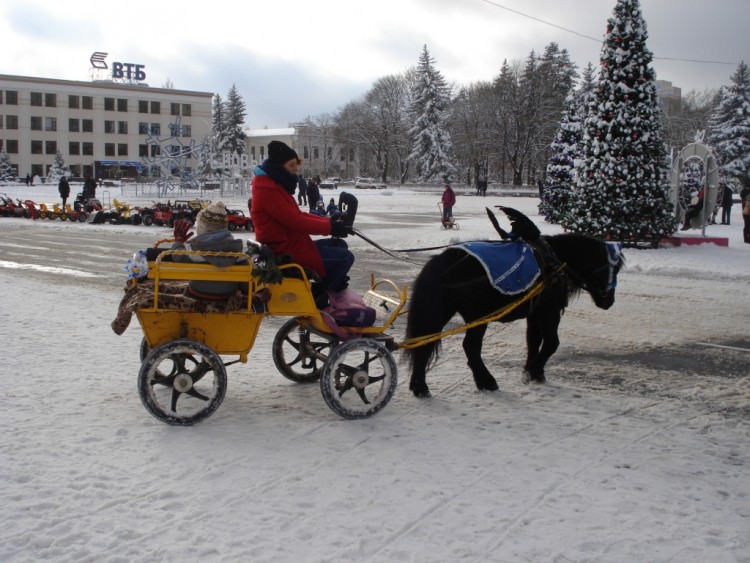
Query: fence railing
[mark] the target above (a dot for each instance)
(215, 189)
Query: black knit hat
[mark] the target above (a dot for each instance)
(279, 153)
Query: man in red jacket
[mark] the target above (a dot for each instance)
(285, 229)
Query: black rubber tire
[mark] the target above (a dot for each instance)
(136, 219)
(299, 354)
(182, 382)
(82, 216)
(232, 226)
(359, 378)
(148, 220)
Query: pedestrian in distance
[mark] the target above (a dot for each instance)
(745, 198)
(726, 203)
(449, 200)
(64, 188)
(28, 179)
(301, 190)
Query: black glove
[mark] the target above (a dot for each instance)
(339, 229)
(181, 228)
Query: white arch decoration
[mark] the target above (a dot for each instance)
(696, 150)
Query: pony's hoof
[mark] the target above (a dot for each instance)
(526, 378)
(489, 386)
(421, 393)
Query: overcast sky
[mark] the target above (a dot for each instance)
(295, 58)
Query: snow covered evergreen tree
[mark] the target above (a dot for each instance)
(234, 118)
(621, 190)
(57, 170)
(561, 164)
(729, 126)
(217, 124)
(431, 143)
(7, 174)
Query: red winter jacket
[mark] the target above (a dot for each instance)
(449, 197)
(280, 225)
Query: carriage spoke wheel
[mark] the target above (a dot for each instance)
(299, 353)
(182, 382)
(359, 378)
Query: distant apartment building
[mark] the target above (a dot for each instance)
(102, 128)
(670, 97)
(323, 156)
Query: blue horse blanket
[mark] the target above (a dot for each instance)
(511, 266)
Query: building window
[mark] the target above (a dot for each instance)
(316, 154)
(187, 110)
(1, 97)
(87, 125)
(174, 109)
(87, 148)
(50, 100)
(50, 124)
(50, 147)
(262, 151)
(74, 149)
(11, 97)
(36, 147)
(109, 104)
(187, 131)
(142, 106)
(37, 170)
(156, 107)
(1, 121)
(142, 128)
(74, 126)
(155, 150)
(306, 153)
(11, 122)
(122, 149)
(36, 123)
(155, 129)
(109, 127)
(122, 127)
(109, 149)
(36, 98)
(11, 146)
(330, 153)
(122, 104)
(142, 150)
(74, 102)
(87, 102)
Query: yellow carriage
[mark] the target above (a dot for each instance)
(183, 377)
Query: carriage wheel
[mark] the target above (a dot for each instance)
(359, 378)
(182, 382)
(299, 353)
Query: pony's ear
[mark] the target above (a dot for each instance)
(521, 224)
(503, 234)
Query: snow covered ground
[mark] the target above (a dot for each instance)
(636, 449)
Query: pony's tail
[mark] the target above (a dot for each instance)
(426, 314)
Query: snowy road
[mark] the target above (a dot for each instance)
(636, 450)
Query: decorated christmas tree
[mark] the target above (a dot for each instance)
(729, 126)
(561, 164)
(621, 191)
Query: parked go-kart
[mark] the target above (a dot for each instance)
(237, 219)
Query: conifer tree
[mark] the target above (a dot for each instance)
(234, 118)
(57, 170)
(729, 126)
(7, 173)
(621, 190)
(561, 164)
(217, 124)
(431, 143)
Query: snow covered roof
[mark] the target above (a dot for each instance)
(269, 132)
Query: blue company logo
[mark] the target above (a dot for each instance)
(130, 71)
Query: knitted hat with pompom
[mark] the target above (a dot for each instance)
(212, 218)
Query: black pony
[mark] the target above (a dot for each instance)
(456, 282)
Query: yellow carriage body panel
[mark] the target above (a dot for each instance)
(226, 333)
